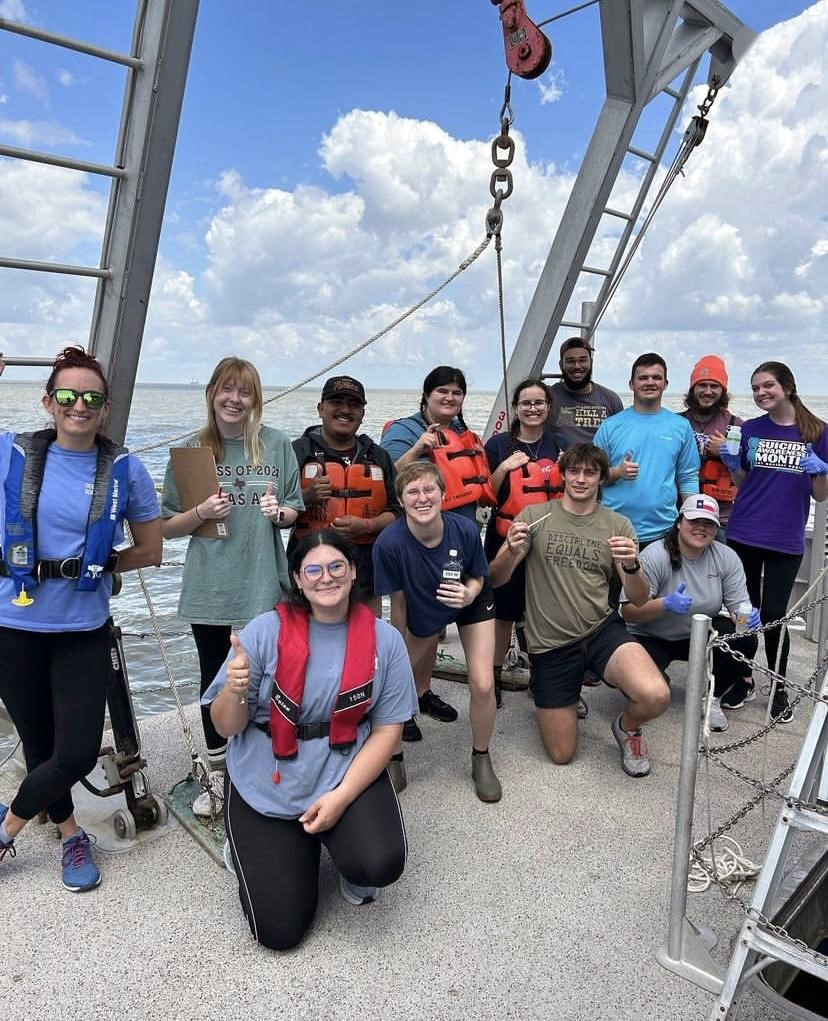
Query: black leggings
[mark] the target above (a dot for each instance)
(726, 669)
(54, 687)
(212, 643)
(770, 577)
(277, 862)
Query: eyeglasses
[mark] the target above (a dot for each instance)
(92, 399)
(336, 569)
(528, 405)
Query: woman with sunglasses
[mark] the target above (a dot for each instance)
(228, 581)
(524, 466)
(424, 436)
(312, 698)
(66, 492)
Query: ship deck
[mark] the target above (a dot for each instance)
(551, 903)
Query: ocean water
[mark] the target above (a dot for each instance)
(162, 412)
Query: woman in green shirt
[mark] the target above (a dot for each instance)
(228, 581)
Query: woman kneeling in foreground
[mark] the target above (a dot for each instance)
(313, 695)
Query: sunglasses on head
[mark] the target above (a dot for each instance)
(65, 397)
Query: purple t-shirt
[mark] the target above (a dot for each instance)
(772, 504)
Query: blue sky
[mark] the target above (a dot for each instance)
(333, 166)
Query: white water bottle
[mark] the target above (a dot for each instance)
(733, 439)
(742, 615)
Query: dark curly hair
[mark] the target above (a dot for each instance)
(319, 537)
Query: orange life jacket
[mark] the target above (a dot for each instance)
(464, 467)
(531, 483)
(358, 490)
(715, 481)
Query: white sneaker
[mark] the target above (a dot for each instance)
(718, 720)
(202, 804)
(228, 858)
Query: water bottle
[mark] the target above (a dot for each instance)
(742, 614)
(452, 568)
(733, 439)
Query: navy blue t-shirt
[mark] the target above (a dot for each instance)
(403, 564)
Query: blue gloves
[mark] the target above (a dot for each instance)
(812, 463)
(678, 602)
(733, 462)
(754, 621)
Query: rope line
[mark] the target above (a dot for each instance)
(464, 265)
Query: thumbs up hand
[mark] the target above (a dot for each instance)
(812, 463)
(238, 670)
(627, 469)
(270, 504)
(678, 602)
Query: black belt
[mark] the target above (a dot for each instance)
(305, 731)
(69, 568)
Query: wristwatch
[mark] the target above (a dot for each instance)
(632, 570)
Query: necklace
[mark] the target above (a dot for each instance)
(532, 453)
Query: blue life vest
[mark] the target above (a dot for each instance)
(22, 490)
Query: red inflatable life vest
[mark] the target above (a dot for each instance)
(464, 467)
(358, 489)
(531, 483)
(715, 481)
(355, 686)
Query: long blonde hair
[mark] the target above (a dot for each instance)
(233, 369)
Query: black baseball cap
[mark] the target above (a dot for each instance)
(343, 386)
(575, 342)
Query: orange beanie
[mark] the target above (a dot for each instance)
(709, 369)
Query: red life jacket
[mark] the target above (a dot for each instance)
(715, 480)
(531, 483)
(358, 489)
(464, 467)
(355, 686)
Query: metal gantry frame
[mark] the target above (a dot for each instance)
(647, 46)
(156, 74)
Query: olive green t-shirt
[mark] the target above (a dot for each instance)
(568, 571)
(231, 581)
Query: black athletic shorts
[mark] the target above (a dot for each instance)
(364, 584)
(483, 607)
(556, 676)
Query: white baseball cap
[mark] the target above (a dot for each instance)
(700, 506)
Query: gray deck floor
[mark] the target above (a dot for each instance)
(550, 904)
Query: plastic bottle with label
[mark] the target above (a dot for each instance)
(742, 615)
(733, 439)
(452, 568)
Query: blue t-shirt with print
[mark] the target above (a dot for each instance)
(62, 514)
(317, 768)
(403, 564)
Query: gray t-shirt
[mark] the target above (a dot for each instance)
(316, 769)
(714, 579)
(574, 418)
(230, 581)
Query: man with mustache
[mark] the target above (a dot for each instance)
(334, 460)
(579, 405)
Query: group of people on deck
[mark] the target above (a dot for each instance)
(608, 529)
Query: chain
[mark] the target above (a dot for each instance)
(709, 99)
(501, 183)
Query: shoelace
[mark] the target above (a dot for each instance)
(637, 746)
(76, 852)
(7, 849)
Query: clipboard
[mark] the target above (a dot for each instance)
(194, 469)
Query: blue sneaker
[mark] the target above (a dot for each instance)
(6, 848)
(79, 869)
(357, 895)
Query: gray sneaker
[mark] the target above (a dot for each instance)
(718, 720)
(634, 759)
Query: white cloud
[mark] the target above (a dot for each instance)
(3, 98)
(65, 77)
(14, 10)
(26, 79)
(26, 133)
(552, 85)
